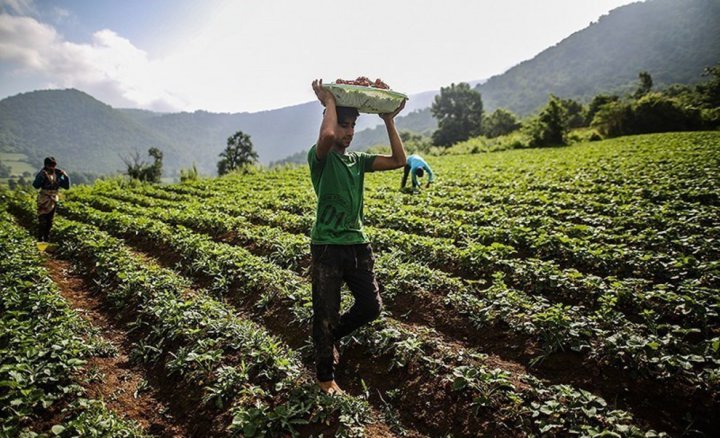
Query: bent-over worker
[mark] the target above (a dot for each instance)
(417, 167)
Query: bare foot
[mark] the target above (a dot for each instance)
(330, 388)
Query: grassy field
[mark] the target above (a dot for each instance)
(18, 163)
(555, 291)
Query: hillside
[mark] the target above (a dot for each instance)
(90, 136)
(275, 133)
(672, 40)
(85, 134)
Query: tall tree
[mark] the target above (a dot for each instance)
(550, 126)
(500, 122)
(238, 153)
(5, 170)
(613, 118)
(140, 170)
(458, 109)
(575, 113)
(154, 172)
(646, 84)
(596, 103)
(710, 90)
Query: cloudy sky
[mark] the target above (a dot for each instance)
(253, 55)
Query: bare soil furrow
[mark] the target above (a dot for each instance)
(122, 385)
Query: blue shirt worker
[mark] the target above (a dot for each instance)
(49, 180)
(417, 167)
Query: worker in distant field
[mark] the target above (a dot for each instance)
(417, 167)
(341, 252)
(49, 180)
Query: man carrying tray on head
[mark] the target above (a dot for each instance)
(340, 249)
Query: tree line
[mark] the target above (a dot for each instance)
(238, 155)
(460, 115)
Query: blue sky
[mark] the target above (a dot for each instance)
(243, 55)
(147, 23)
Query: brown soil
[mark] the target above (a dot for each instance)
(277, 319)
(114, 379)
(422, 307)
(661, 405)
(379, 430)
(422, 396)
(426, 402)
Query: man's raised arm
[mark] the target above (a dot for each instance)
(397, 159)
(327, 137)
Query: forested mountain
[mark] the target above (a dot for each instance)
(275, 134)
(90, 136)
(82, 132)
(671, 39)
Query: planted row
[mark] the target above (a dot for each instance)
(605, 335)
(690, 304)
(44, 346)
(226, 365)
(387, 337)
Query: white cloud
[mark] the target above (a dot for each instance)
(260, 55)
(23, 39)
(249, 56)
(110, 67)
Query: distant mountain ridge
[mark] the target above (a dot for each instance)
(673, 40)
(90, 136)
(82, 132)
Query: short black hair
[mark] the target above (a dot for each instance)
(50, 161)
(419, 172)
(345, 112)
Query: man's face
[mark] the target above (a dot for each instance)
(346, 130)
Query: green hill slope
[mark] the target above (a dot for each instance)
(273, 133)
(672, 40)
(83, 133)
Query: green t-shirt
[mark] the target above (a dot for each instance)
(338, 181)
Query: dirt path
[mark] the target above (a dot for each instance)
(115, 380)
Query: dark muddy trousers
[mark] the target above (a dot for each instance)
(331, 266)
(45, 222)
